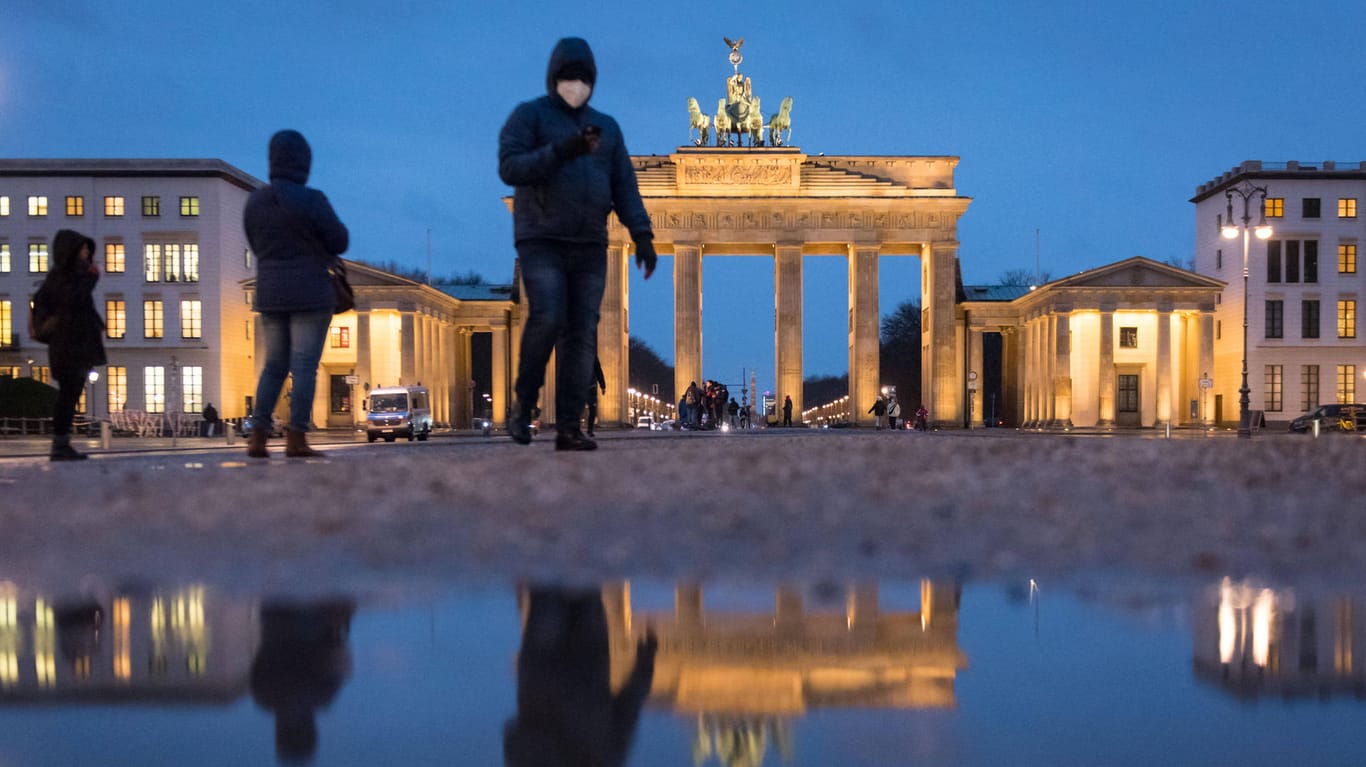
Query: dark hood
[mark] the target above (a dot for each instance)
(572, 59)
(290, 157)
(66, 251)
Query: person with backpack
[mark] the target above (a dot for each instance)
(64, 317)
(879, 411)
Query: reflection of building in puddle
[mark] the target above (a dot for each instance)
(746, 674)
(183, 644)
(1253, 641)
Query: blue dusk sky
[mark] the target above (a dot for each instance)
(1088, 123)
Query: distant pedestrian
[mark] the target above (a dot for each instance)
(921, 416)
(64, 304)
(879, 411)
(569, 168)
(893, 412)
(296, 236)
(733, 411)
(210, 416)
(787, 410)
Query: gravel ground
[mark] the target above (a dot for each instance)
(803, 505)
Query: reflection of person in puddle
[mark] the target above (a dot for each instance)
(301, 664)
(566, 713)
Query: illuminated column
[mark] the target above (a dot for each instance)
(464, 370)
(614, 337)
(548, 390)
(1031, 366)
(787, 300)
(1062, 370)
(863, 333)
(688, 607)
(1037, 371)
(975, 365)
(1164, 365)
(407, 372)
(687, 316)
(362, 364)
(499, 384)
(863, 609)
(1206, 362)
(1107, 367)
(941, 369)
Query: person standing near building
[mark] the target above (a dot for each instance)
(879, 411)
(569, 168)
(893, 412)
(65, 301)
(787, 410)
(296, 236)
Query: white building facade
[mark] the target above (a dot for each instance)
(1304, 287)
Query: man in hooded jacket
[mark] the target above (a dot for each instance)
(569, 166)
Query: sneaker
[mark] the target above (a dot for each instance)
(574, 440)
(66, 453)
(519, 424)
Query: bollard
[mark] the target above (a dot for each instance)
(1316, 428)
(1169, 430)
(228, 429)
(104, 434)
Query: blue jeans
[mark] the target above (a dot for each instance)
(564, 284)
(294, 344)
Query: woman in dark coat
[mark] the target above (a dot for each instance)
(76, 345)
(295, 235)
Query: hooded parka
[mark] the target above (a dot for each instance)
(77, 343)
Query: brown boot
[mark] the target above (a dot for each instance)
(296, 445)
(256, 443)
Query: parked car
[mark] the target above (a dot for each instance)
(645, 422)
(1330, 417)
(398, 411)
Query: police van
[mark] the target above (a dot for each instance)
(398, 411)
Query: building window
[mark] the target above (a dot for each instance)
(1275, 318)
(1309, 207)
(152, 323)
(172, 262)
(189, 206)
(1311, 260)
(340, 337)
(75, 205)
(1273, 261)
(1128, 338)
(1292, 260)
(116, 378)
(6, 324)
(246, 258)
(1309, 318)
(41, 374)
(192, 389)
(1347, 384)
(191, 322)
(191, 273)
(1275, 207)
(1347, 207)
(113, 207)
(1126, 393)
(9, 371)
(1347, 318)
(1218, 330)
(114, 261)
(151, 206)
(1347, 258)
(151, 260)
(37, 257)
(1272, 401)
(154, 389)
(4, 206)
(115, 318)
(1309, 387)
(37, 206)
(4, 257)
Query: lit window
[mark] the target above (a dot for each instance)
(115, 318)
(1128, 338)
(75, 206)
(192, 389)
(189, 206)
(6, 324)
(41, 374)
(1309, 387)
(1347, 207)
(1273, 381)
(151, 206)
(37, 257)
(113, 207)
(190, 318)
(9, 371)
(151, 319)
(4, 206)
(340, 337)
(172, 262)
(1275, 207)
(151, 261)
(37, 206)
(1347, 384)
(1347, 318)
(191, 263)
(154, 389)
(4, 257)
(1347, 258)
(116, 377)
(113, 257)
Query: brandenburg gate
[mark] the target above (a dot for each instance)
(780, 202)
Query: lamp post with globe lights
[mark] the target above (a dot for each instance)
(1230, 231)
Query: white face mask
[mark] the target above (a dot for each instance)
(574, 92)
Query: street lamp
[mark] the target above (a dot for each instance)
(1230, 231)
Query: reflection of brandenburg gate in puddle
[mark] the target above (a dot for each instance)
(744, 675)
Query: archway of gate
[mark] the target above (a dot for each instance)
(781, 203)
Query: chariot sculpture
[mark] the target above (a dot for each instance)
(739, 114)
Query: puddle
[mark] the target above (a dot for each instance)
(890, 673)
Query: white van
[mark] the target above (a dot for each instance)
(398, 411)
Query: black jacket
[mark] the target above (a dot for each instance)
(77, 343)
(567, 201)
(294, 233)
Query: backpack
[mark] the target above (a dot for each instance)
(42, 317)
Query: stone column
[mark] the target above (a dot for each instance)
(1206, 363)
(1011, 367)
(499, 384)
(787, 300)
(463, 370)
(1164, 365)
(941, 369)
(687, 316)
(1107, 368)
(359, 392)
(407, 371)
(975, 365)
(614, 338)
(688, 610)
(1062, 372)
(441, 389)
(863, 333)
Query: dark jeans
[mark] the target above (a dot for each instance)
(70, 382)
(294, 345)
(564, 284)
